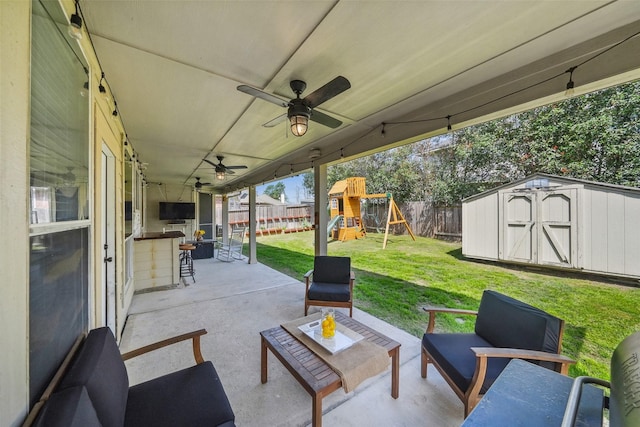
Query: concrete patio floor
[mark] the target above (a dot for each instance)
(234, 302)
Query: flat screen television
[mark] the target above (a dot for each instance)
(177, 210)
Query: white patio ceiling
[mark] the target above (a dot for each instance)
(174, 66)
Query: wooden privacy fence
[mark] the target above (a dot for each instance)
(275, 219)
(424, 218)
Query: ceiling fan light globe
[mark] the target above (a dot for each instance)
(220, 175)
(299, 124)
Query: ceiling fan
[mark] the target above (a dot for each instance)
(221, 169)
(198, 185)
(301, 110)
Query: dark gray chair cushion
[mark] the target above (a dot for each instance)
(99, 367)
(331, 269)
(68, 408)
(453, 353)
(329, 292)
(190, 397)
(509, 323)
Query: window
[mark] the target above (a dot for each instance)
(58, 301)
(59, 175)
(59, 149)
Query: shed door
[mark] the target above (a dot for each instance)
(519, 236)
(557, 230)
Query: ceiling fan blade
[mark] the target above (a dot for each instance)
(326, 92)
(276, 121)
(210, 162)
(263, 95)
(324, 119)
(228, 171)
(235, 167)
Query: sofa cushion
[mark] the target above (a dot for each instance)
(99, 367)
(191, 397)
(452, 352)
(509, 323)
(331, 269)
(68, 408)
(329, 292)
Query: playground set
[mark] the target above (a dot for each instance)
(345, 211)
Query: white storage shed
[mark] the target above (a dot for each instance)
(557, 222)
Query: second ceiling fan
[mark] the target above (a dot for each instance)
(301, 110)
(221, 169)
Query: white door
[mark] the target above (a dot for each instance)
(557, 233)
(519, 227)
(108, 238)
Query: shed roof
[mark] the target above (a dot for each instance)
(563, 179)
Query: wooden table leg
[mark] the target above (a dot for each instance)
(395, 373)
(263, 360)
(316, 411)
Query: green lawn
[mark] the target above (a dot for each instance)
(394, 283)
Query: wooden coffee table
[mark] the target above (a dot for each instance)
(313, 373)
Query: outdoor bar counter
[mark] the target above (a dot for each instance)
(156, 260)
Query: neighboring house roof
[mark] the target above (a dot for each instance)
(263, 199)
(556, 178)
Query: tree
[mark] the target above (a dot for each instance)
(594, 137)
(307, 182)
(275, 190)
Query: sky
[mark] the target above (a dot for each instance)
(293, 188)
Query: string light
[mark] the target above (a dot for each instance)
(75, 24)
(570, 84)
(102, 89)
(85, 90)
(569, 91)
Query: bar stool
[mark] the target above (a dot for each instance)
(186, 261)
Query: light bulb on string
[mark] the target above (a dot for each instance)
(102, 89)
(75, 25)
(570, 90)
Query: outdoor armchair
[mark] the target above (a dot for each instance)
(91, 388)
(330, 283)
(505, 329)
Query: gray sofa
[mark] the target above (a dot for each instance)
(94, 391)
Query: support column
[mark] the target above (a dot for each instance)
(214, 218)
(253, 259)
(225, 218)
(320, 211)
